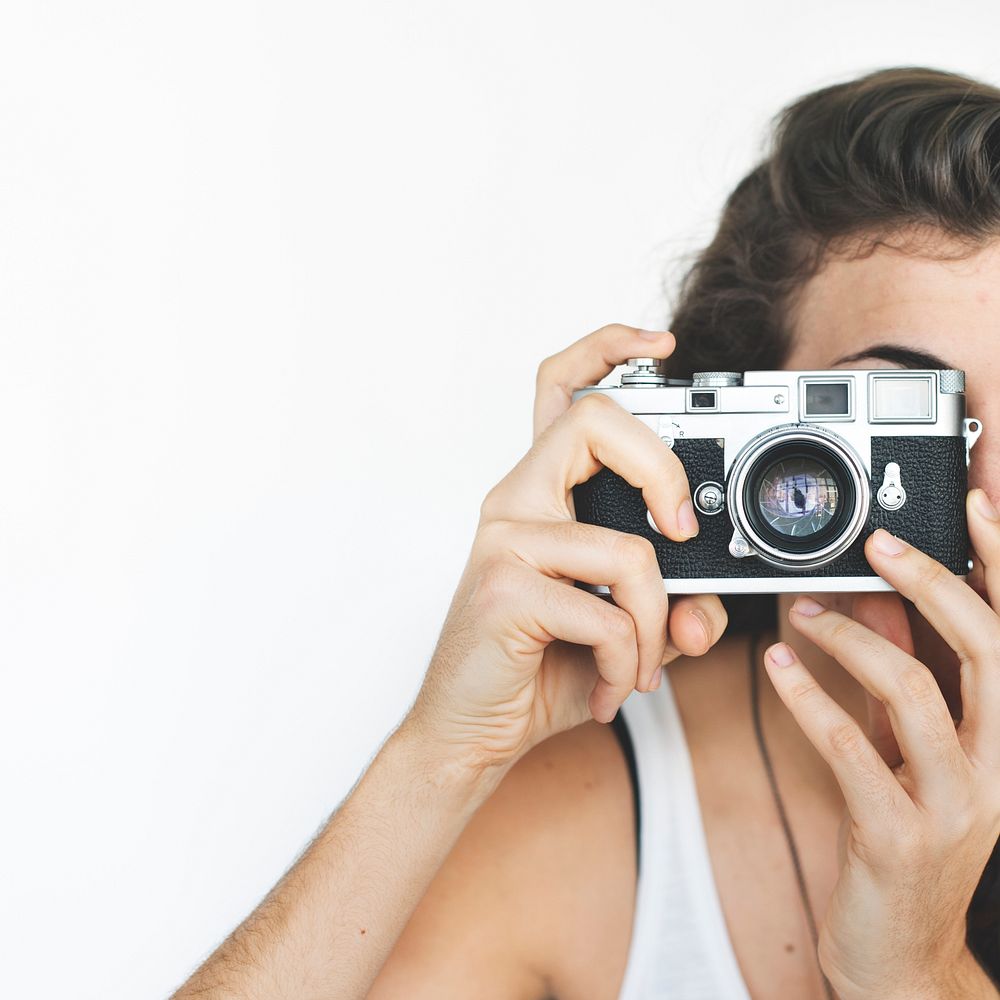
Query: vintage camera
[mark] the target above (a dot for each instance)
(790, 471)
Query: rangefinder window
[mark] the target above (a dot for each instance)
(827, 400)
(902, 397)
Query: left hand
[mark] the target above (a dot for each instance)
(924, 798)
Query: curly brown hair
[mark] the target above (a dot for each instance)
(850, 166)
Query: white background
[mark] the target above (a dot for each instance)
(274, 282)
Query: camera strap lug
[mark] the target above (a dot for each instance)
(971, 429)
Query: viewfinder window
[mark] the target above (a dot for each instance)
(902, 397)
(828, 399)
(702, 400)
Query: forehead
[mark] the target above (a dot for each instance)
(948, 307)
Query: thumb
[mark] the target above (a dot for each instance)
(885, 615)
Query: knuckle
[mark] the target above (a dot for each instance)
(938, 735)
(493, 536)
(850, 632)
(614, 328)
(902, 842)
(675, 474)
(586, 407)
(489, 504)
(497, 582)
(845, 740)
(964, 819)
(634, 553)
(618, 623)
(932, 575)
(917, 686)
(544, 374)
(844, 628)
(802, 692)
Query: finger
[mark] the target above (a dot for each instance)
(962, 618)
(921, 722)
(593, 433)
(871, 791)
(984, 533)
(587, 361)
(543, 610)
(590, 553)
(692, 617)
(697, 622)
(885, 615)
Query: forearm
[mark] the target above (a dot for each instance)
(328, 926)
(964, 980)
(970, 982)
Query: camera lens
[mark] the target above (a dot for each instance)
(799, 496)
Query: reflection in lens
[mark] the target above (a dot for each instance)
(798, 496)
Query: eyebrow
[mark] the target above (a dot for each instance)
(897, 354)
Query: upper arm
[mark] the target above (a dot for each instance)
(537, 892)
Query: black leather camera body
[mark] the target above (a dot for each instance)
(790, 471)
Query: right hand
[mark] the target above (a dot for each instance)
(523, 653)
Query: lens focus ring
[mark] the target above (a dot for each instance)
(799, 495)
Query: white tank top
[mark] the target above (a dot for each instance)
(680, 948)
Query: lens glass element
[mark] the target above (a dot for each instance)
(798, 496)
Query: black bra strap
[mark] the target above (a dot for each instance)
(620, 728)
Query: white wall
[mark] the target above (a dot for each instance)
(274, 281)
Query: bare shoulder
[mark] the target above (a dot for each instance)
(536, 898)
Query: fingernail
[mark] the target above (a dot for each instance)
(702, 619)
(653, 334)
(781, 655)
(984, 506)
(887, 544)
(654, 682)
(807, 606)
(686, 519)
